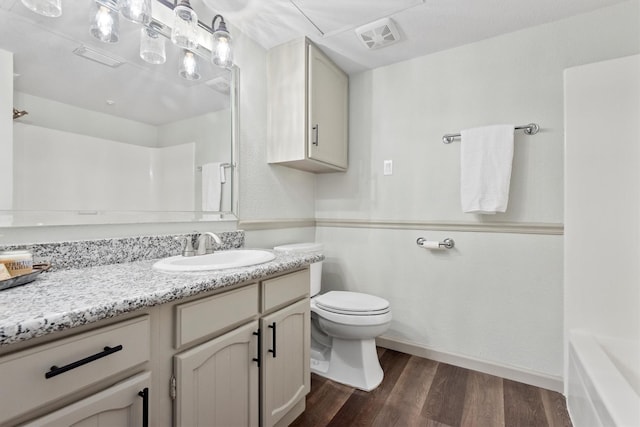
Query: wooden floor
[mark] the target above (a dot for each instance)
(421, 392)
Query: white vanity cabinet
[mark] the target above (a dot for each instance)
(286, 331)
(255, 369)
(233, 357)
(124, 404)
(217, 382)
(55, 372)
(307, 109)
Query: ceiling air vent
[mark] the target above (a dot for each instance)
(380, 33)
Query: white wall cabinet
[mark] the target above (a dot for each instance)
(308, 109)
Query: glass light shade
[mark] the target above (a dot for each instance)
(221, 52)
(189, 68)
(138, 11)
(185, 26)
(50, 8)
(104, 21)
(152, 46)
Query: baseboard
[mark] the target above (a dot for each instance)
(515, 374)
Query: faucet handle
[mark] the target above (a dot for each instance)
(205, 244)
(187, 249)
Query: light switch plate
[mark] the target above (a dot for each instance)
(388, 167)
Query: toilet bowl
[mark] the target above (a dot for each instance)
(344, 326)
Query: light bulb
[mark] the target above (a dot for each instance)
(185, 26)
(189, 68)
(138, 11)
(152, 46)
(105, 24)
(221, 52)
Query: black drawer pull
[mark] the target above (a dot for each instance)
(258, 333)
(144, 394)
(57, 371)
(273, 332)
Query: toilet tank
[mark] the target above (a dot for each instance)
(315, 268)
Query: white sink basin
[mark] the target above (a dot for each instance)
(215, 261)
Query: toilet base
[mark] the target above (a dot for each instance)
(350, 362)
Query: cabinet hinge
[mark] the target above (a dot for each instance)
(173, 387)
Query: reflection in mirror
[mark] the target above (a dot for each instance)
(104, 136)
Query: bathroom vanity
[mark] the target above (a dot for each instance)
(123, 344)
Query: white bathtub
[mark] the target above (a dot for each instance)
(603, 388)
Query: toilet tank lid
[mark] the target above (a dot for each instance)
(300, 247)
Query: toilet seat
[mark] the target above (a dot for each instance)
(351, 319)
(352, 303)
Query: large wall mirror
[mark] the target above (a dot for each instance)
(101, 136)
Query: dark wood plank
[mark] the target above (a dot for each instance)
(404, 405)
(421, 392)
(484, 401)
(446, 397)
(523, 405)
(555, 408)
(323, 402)
(361, 408)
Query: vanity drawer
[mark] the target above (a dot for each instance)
(285, 289)
(80, 361)
(208, 316)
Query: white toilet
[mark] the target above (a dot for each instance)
(344, 326)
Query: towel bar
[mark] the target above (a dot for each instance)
(530, 129)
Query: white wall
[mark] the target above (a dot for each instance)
(59, 170)
(211, 134)
(497, 297)
(57, 115)
(602, 210)
(266, 191)
(6, 131)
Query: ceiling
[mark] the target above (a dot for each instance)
(154, 94)
(426, 26)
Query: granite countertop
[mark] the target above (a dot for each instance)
(69, 298)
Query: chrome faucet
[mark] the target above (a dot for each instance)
(204, 243)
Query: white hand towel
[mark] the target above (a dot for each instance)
(212, 179)
(486, 156)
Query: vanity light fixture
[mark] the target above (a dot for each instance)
(50, 8)
(221, 52)
(184, 33)
(138, 11)
(105, 26)
(104, 20)
(152, 45)
(189, 68)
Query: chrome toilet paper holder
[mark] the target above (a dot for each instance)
(447, 243)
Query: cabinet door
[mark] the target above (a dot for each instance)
(217, 382)
(285, 355)
(328, 110)
(119, 405)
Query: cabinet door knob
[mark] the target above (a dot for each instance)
(273, 336)
(316, 131)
